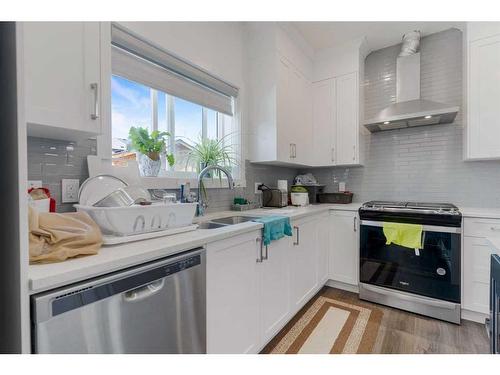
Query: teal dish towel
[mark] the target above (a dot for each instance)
(275, 227)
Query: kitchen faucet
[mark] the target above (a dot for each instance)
(201, 204)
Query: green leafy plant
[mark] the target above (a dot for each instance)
(207, 152)
(152, 144)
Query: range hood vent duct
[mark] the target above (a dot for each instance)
(410, 110)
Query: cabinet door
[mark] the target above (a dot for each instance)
(323, 246)
(483, 127)
(303, 135)
(62, 74)
(476, 274)
(304, 262)
(284, 100)
(347, 107)
(275, 288)
(324, 121)
(233, 295)
(344, 255)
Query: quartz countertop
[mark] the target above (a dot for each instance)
(44, 277)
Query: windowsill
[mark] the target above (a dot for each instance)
(167, 182)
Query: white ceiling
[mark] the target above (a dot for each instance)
(381, 34)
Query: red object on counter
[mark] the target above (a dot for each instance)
(52, 204)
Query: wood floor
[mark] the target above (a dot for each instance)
(402, 332)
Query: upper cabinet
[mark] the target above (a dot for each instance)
(62, 76)
(483, 91)
(337, 106)
(279, 97)
(336, 121)
(302, 111)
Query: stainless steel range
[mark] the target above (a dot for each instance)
(423, 280)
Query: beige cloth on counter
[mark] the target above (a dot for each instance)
(56, 237)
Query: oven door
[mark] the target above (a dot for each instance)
(433, 271)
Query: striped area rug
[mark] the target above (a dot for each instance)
(329, 326)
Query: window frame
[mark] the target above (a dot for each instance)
(169, 179)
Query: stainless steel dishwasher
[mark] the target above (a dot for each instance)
(158, 307)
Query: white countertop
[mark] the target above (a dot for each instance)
(114, 258)
(490, 213)
(495, 242)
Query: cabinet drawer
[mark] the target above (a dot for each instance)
(482, 227)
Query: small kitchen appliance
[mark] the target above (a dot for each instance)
(299, 196)
(273, 197)
(423, 280)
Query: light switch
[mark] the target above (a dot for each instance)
(69, 190)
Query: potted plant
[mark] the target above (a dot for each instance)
(149, 148)
(207, 152)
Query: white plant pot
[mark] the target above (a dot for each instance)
(147, 166)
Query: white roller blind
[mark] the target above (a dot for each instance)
(141, 61)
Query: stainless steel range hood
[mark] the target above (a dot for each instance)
(409, 110)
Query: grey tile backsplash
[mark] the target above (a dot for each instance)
(424, 163)
(51, 160)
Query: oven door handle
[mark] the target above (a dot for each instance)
(426, 228)
(411, 298)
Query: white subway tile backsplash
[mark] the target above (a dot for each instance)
(424, 163)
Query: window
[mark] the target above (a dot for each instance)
(134, 104)
(158, 90)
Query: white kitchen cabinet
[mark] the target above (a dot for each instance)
(279, 98)
(304, 272)
(275, 288)
(62, 70)
(233, 295)
(344, 250)
(323, 230)
(347, 123)
(336, 121)
(483, 93)
(324, 122)
(476, 275)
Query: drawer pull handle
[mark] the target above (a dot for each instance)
(496, 229)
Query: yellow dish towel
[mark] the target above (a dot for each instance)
(407, 235)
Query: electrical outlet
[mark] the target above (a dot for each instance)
(257, 184)
(69, 190)
(34, 184)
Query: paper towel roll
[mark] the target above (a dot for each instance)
(283, 185)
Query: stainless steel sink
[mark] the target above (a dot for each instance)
(231, 220)
(210, 225)
(224, 222)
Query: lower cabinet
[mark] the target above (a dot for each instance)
(344, 249)
(253, 291)
(275, 287)
(304, 261)
(233, 295)
(476, 273)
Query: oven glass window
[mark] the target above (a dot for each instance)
(433, 271)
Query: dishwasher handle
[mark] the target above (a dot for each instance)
(144, 292)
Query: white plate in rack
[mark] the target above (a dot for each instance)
(116, 240)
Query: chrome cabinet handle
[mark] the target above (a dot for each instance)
(495, 229)
(298, 234)
(95, 88)
(259, 241)
(291, 150)
(333, 154)
(354, 152)
(354, 223)
(294, 151)
(265, 257)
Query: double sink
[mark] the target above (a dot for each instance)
(225, 221)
